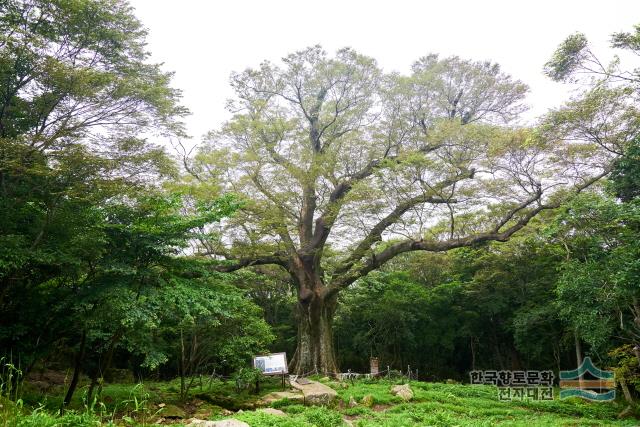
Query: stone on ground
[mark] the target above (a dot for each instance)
(403, 391)
(272, 411)
(367, 400)
(221, 423)
(280, 395)
(352, 402)
(172, 411)
(316, 393)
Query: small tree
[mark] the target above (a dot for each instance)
(345, 167)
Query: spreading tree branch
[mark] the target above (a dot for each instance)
(496, 234)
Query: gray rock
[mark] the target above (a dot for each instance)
(221, 423)
(316, 393)
(352, 402)
(367, 400)
(403, 391)
(272, 411)
(280, 395)
(172, 411)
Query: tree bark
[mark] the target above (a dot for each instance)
(578, 346)
(625, 390)
(76, 371)
(516, 363)
(473, 355)
(97, 377)
(315, 351)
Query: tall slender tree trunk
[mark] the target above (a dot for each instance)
(76, 371)
(578, 346)
(315, 351)
(97, 377)
(182, 366)
(473, 354)
(496, 347)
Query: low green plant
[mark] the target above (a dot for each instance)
(323, 417)
(292, 409)
(246, 378)
(10, 379)
(627, 366)
(136, 408)
(95, 406)
(282, 403)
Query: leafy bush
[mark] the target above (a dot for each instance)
(627, 365)
(246, 378)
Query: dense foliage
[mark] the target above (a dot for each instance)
(89, 277)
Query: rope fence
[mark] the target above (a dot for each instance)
(388, 373)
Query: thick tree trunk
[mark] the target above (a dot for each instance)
(315, 350)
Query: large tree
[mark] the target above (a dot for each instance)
(344, 167)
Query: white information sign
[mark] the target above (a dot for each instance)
(271, 364)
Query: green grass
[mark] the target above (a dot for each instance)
(308, 417)
(438, 404)
(434, 404)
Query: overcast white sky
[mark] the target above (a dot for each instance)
(204, 41)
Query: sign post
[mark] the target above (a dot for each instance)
(373, 363)
(272, 364)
